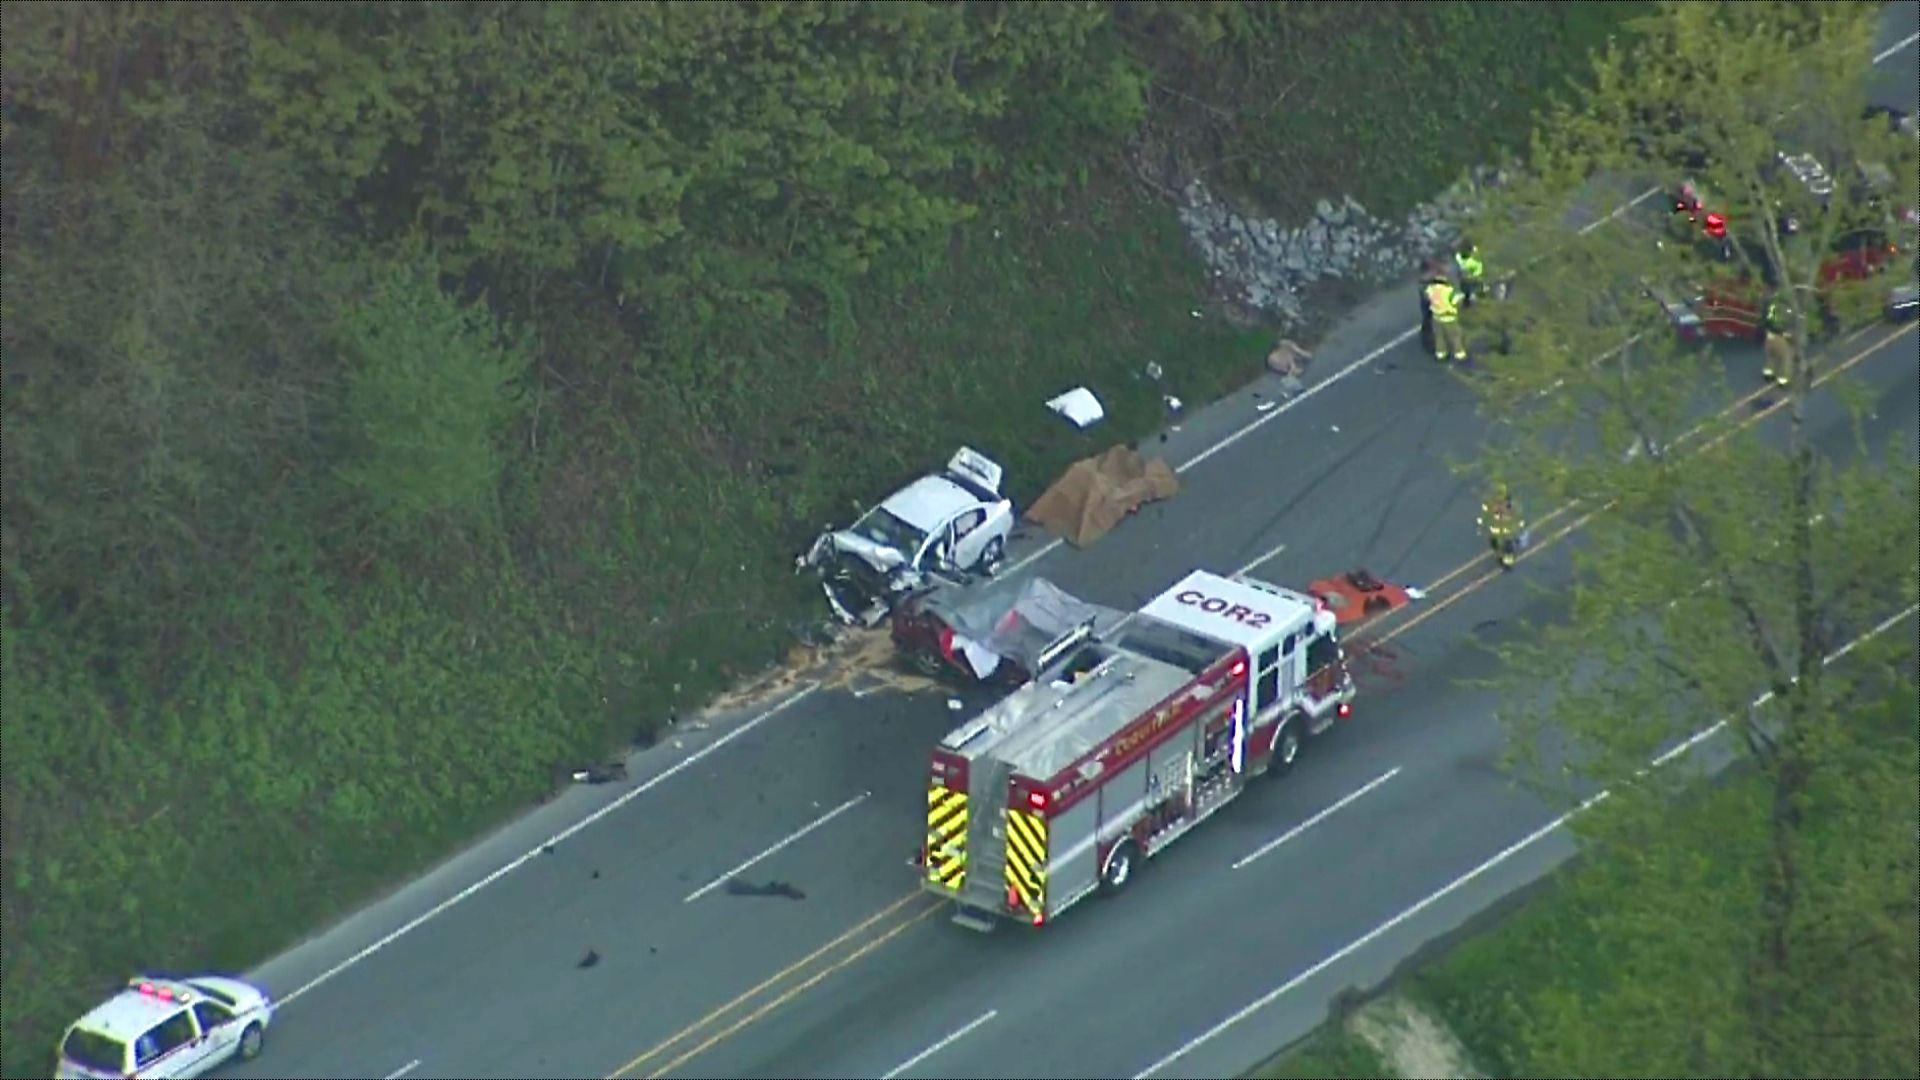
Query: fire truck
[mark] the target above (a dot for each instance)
(1118, 748)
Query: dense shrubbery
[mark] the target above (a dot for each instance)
(402, 399)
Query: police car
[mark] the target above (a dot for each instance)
(949, 525)
(167, 1027)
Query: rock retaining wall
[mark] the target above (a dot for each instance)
(1270, 267)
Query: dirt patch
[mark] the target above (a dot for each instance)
(1412, 1041)
(863, 661)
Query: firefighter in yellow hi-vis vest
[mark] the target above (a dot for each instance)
(1779, 345)
(1449, 341)
(1472, 271)
(1500, 520)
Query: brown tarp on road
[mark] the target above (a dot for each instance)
(1094, 493)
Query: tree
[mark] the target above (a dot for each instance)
(431, 385)
(1723, 557)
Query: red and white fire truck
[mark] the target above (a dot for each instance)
(1116, 749)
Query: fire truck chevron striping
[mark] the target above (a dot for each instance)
(1026, 861)
(1123, 743)
(947, 837)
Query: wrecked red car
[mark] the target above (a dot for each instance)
(999, 634)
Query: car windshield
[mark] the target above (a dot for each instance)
(883, 526)
(94, 1051)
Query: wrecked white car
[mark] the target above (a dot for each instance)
(950, 526)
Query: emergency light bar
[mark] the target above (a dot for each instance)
(162, 993)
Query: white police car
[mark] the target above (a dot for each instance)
(167, 1027)
(953, 524)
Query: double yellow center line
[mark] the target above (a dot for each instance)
(903, 913)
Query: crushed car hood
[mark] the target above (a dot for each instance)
(879, 556)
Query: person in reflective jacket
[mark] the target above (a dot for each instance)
(1500, 520)
(1466, 260)
(1443, 300)
(1781, 354)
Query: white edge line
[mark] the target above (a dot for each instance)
(1051, 546)
(939, 1046)
(1504, 854)
(1317, 818)
(564, 834)
(1887, 53)
(1618, 210)
(404, 1069)
(1275, 550)
(1649, 193)
(1299, 399)
(788, 839)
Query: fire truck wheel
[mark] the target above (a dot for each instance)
(1286, 748)
(1119, 869)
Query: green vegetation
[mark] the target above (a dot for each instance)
(403, 402)
(1637, 963)
(1331, 1053)
(1767, 924)
(1768, 929)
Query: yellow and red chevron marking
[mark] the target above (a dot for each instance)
(1027, 860)
(946, 837)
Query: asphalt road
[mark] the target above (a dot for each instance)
(490, 984)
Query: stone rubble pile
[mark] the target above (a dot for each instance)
(1270, 268)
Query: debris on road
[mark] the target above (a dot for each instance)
(588, 960)
(1358, 596)
(1095, 493)
(1266, 406)
(1079, 406)
(1288, 359)
(1173, 403)
(609, 773)
(1154, 371)
(954, 704)
(736, 887)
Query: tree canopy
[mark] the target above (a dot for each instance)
(1725, 557)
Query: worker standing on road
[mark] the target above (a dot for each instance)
(1431, 272)
(1500, 520)
(1443, 300)
(1466, 259)
(1781, 354)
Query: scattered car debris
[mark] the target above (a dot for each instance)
(1154, 371)
(1288, 359)
(736, 887)
(1357, 596)
(1095, 493)
(954, 704)
(587, 961)
(1335, 428)
(1173, 403)
(949, 525)
(609, 773)
(1079, 406)
(1266, 406)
